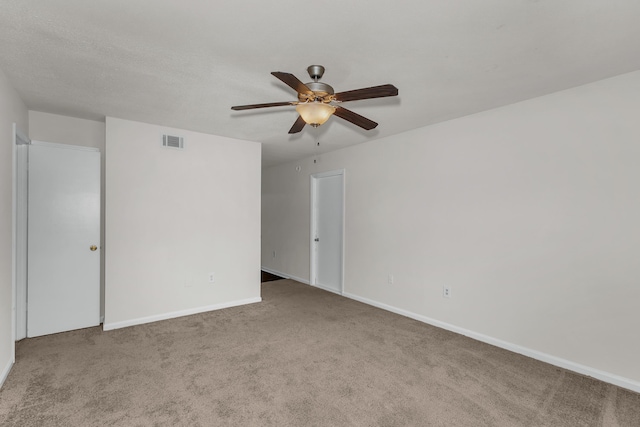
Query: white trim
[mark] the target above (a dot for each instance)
(5, 373)
(327, 174)
(21, 148)
(301, 280)
(534, 354)
(14, 247)
(285, 276)
(324, 288)
(108, 326)
(17, 138)
(65, 146)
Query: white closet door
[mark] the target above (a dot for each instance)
(63, 283)
(328, 230)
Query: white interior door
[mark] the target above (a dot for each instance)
(327, 230)
(63, 284)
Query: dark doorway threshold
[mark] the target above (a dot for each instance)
(268, 277)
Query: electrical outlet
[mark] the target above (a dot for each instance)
(446, 292)
(212, 278)
(390, 279)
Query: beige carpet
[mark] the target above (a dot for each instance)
(302, 357)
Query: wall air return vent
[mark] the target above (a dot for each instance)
(171, 141)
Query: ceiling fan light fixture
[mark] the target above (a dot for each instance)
(315, 113)
(317, 101)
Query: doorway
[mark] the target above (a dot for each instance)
(19, 237)
(327, 230)
(59, 243)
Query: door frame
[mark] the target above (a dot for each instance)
(314, 180)
(20, 209)
(18, 238)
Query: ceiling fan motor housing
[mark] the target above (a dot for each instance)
(322, 92)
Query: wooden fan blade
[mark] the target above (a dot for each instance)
(271, 104)
(367, 93)
(355, 118)
(298, 125)
(293, 82)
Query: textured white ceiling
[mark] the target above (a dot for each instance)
(185, 63)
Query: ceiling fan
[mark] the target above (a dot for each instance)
(317, 101)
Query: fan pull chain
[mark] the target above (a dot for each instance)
(316, 158)
(316, 131)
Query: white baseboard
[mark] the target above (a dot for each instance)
(285, 275)
(324, 288)
(5, 372)
(300, 279)
(543, 357)
(108, 326)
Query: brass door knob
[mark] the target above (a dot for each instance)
(93, 247)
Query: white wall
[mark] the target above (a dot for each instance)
(12, 109)
(172, 217)
(530, 213)
(70, 130)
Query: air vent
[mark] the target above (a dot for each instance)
(171, 141)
